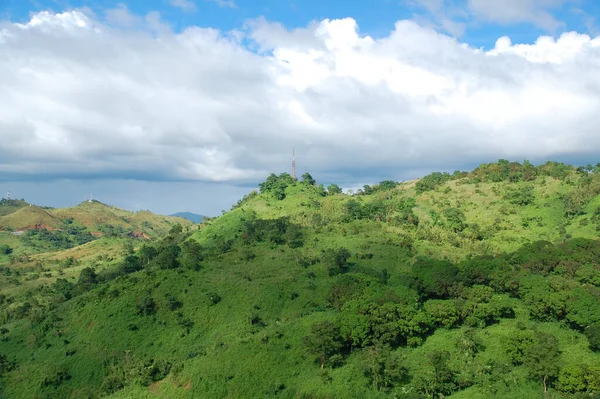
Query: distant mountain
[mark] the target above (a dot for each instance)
(192, 217)
(95, 217)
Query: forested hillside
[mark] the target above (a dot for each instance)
(469, 285)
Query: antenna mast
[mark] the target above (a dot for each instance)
(91, 198)
(294, 164)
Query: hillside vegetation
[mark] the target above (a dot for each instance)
(10, 205)
(40, 245)
(467, 285)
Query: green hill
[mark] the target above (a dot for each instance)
(94, 217)
(11, 205)
(28, 218)
(467, 285)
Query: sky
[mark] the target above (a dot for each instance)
(186, 105)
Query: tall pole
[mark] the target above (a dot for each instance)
(294, 164)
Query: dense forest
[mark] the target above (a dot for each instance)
(465, 285)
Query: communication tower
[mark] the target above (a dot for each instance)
(294, 164)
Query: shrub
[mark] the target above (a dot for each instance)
(214, 298)
(173, 303)
(432, 181)
(5, 249)
(146, 307)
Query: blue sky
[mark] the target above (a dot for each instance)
(193, 121)
(374, 17)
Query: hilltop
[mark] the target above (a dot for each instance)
(11, 205)
(94, 217)
(469, 285)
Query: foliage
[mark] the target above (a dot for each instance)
(541, 357)
(334, 189)
(324, 340)
(191, 255)
(277, 185)
(58, 239)
(521, 196)
(337, 261)
(592, 333)
(146, 306)
(5, 249)
(432, 181)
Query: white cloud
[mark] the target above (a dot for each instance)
(121, 16)
(83, 98)
(455, 16)
(537, 12)
(224, 3)
(187, 5)
(447, 16)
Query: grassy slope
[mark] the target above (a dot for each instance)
(91, 216)
(224, 355)
(10, 206)
(27, 217)
(36, 267)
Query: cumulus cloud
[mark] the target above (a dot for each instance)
(80, 97)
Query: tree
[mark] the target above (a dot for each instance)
(334, 189)
(87, 277)
(337, 261)
(146, 307)
(63, 287)
(354, 209)
(592, 333)
(541, 357)
(167, 258)
(368, 189)
(572, 378)
(435, 278)
(130, 264)
(441, 380)
(191, 255)
(383, 367)
(386, 185)
(456, 218)
(146, 254)
(293, 236)
(521, 196)
(176, 229)
(431, 182)
(324, 340)
(308, 179)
